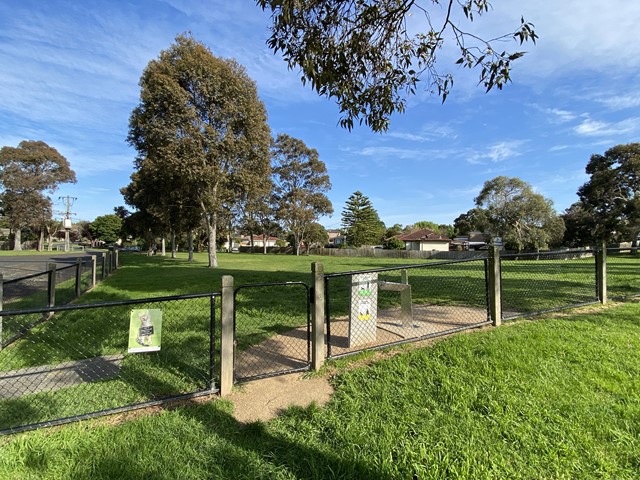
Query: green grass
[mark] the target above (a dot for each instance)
(556, 398)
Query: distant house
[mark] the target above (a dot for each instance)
(425, 240)
(259, 241)
(474, 241)
(336, 238)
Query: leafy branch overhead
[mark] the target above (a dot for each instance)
(365, 54)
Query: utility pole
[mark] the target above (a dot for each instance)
(66, 222)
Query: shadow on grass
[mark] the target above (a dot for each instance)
(229, 449)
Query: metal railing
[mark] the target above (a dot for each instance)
(90, 360)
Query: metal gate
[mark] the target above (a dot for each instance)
(272, 329)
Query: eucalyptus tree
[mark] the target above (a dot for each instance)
(523, 218)
(611, 196)
(370, 54)
(28, 173)
(300, 180)
(200, 131)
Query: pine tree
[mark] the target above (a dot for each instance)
(361, 222)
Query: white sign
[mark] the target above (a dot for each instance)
(364, 309)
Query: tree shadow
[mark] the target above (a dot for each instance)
(234, 450)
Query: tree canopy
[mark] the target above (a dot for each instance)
(106, 228)
(360, 221)
(524, 219)
(610, 199)
(28, 173)
(201, 135)
(370, 54)
(300, 180)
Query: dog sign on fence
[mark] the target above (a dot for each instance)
(145, 330)
(364, 309)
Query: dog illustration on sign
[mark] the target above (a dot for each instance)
(145, 332)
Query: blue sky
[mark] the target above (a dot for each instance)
(69, 75)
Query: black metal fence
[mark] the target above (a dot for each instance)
(534, 283)
(75, 362)
(55, 283)
(376, 308)
(623, 273)
(272, 323)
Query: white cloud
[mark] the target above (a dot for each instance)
(597, 128)
(498, 152)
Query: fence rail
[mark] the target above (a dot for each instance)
(381, 307)
(72, 362)
(79, 362)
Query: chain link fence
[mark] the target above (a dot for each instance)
(535, 283)
(375, 308)
(74, 362)
(272, 329)
(623, 273)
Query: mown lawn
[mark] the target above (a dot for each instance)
(552, 398)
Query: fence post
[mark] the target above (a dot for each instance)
(103, 260)
(78, 276)
(601, 273)
(494, 289)
(1, 305)
(317, 323)
(51, 285)
(226, 336)
(111, 254)
(93, 270)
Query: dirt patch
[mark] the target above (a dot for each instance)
(262, 400)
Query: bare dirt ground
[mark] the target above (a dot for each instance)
(262, 400)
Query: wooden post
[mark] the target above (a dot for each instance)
(103, 258)
(601, 273)
(318, 313)
(227, 335)
(51, 285)
(1, 305)
(78, 277)
(494, 285)
(94, 267)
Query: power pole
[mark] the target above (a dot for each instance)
(66, 222)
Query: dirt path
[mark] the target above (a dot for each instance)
(262, 400)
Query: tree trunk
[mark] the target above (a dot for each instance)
(212, 230)
(173, 244)
(190, 245)
(50, 241)
(41, 241)
(17, 239)
(264, 243)
(163, 247)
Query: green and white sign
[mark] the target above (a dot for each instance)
(145, 330)
(364, 309)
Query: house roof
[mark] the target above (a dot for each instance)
(424, 235)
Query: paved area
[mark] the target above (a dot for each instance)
(23, 265)
(27, 381)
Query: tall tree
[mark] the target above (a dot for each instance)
(523, 218)
(474, 220)
(107, 228)
(363, 53)
(360, 221)
(200, 131)
(611, 196)
(300, 180)
(580, 226)
(28, 173)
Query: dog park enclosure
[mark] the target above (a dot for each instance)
(75, 364)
